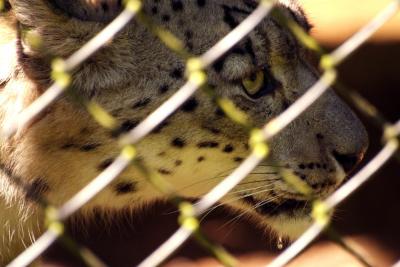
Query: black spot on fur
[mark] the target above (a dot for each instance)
(238, 50)
(319, 136)
(104, 164)
(164, 171)
(178, 162)
(251, 3)
(89, 147)
(212, 130)
(68, 146)
(190, 105)
(176, 5)
(165, 18)
(228, 17)
(315, 186)
(208, 144)
(160, 127)
(178, 142)
(141, 103)
(228, 148)
(285, 104)
(125, 127)
(219, 64)
(228, 14)
(176, 74)
(37, 189)
(189, 45)
(238, 159)
(154, 10)
(125, 188)
(219, 112)
(163, 89)
(201, 158)
(250, 51)
(201, 3)
(188, 34)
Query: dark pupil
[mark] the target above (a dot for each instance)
(269, 84)
(253, 77)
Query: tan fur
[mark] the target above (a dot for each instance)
(62, 151)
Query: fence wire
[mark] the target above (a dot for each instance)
(196, 79)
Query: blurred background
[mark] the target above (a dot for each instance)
(369, 220)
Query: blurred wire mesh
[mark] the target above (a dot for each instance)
(197, 79)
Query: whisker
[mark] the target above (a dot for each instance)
(273, 166)
(263, 173)
(259, 204)
(232, 200)
(270, 182)
(236, 218)
(265, 202)
(219, 175)
(305, 205)
(260, 181)
(247, 189)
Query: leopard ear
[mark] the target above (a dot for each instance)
(297, 13)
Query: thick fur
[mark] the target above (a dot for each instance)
(132, 75)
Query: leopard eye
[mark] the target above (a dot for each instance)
(254, 83)
(259, 83)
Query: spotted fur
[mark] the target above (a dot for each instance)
(193, 149)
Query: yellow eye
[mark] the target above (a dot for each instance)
(254, 83)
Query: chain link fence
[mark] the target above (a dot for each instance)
(196, 67)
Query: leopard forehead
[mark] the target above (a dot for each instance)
(135, 73)
(121, 70)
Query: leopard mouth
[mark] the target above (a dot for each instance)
(289, 207)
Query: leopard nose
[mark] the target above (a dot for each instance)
(347, 161)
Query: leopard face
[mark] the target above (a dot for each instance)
(196, 147)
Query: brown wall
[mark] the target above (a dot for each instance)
(336, 20)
